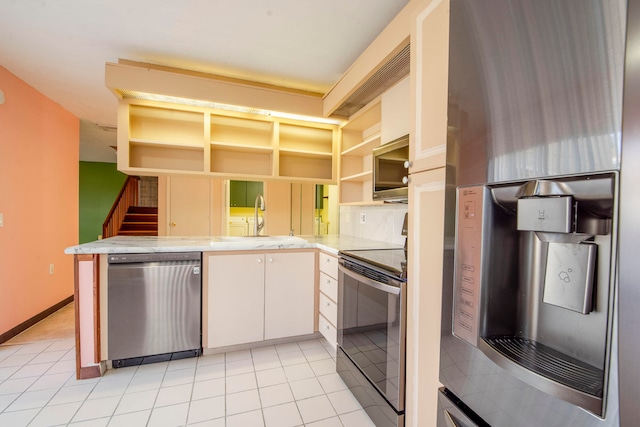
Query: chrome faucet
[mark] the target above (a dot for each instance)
(258, 204)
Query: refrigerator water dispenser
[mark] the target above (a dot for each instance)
(568, 280)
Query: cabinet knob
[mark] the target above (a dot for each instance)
(172, 224)
(326, 328)
(327, 304)
(407, 164)
(405, 179)
(259, 260)
(327, 260)
(270, 259)
(328, 281)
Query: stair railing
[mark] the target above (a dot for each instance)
(127, 197)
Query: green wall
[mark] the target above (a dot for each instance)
(100, 183)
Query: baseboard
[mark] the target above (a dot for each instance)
(35, 319)
(88, 372)
(257, 344)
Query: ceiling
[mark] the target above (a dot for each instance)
(60, 47)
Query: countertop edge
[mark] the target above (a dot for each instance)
(330, 244)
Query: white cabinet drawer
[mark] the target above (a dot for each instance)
(328, 309)
(328, 330)
(329, 286)
(329, 265)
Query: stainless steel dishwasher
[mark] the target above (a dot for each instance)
(154, 307)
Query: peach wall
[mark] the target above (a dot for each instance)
(39, 158)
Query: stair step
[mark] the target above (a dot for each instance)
(140, 217)
(143, 209)
(138, 233)
(139, 226)
(140, 221)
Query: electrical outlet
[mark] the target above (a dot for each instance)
(1, 219)
(363, 218)
(50, 268)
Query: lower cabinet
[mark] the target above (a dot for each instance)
(289, 294)
(236, 299)
(258, 296)
(328, 297)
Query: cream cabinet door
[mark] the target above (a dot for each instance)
(396, 119)
(289, 294)
(189, 206)
(424, 295)
(429, 83)
(235, 312)
(290, 206)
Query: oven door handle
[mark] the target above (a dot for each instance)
(372, 283)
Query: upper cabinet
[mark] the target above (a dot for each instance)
(429, 76)
(157, 138)
(242, 194)
(383, 120)
(396, 116)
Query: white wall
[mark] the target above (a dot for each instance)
(382, 222)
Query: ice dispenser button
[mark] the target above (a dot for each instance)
(569, 277)
(549, 214)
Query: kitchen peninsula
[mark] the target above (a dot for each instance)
(294, 264)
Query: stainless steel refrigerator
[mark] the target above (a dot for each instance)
(540, 296)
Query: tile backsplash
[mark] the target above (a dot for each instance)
(380, 222)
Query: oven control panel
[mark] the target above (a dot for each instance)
(467, 275)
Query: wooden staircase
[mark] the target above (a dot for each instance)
(127, 219)
(139, 221)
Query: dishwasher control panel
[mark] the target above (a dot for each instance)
(154, 257)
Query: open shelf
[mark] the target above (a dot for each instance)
(241, 131)
(365, 147)
(165, 137)
(226, 146)
(238, 161)
(177, 144)
(302, 165)
(166, 125)
(304, 138)
(360, 135)
(305, 153)
(168, 157)
(356, 192)
(358, 177)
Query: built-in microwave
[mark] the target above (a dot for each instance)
(390, 170)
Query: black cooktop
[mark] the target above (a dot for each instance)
(394, 261)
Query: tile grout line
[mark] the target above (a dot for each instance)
(89, 394)
(255, 356)
(39, 376)
(255, 375)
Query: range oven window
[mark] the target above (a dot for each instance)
(371, 330)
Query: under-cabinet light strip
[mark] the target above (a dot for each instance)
(228, 107)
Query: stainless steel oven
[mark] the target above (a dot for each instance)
(372, 329)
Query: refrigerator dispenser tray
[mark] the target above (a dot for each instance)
(550, 363)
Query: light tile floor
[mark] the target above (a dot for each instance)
(286, 385)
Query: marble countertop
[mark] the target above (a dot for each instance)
(152, 244)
